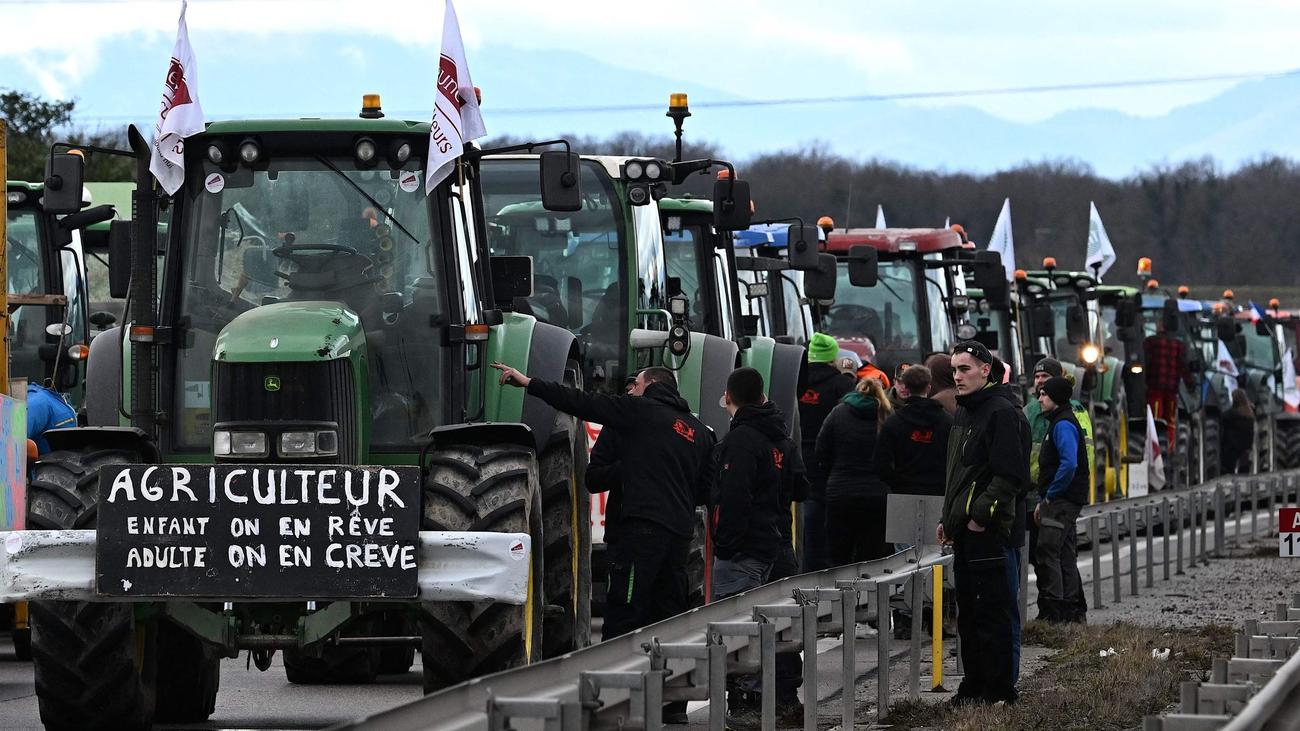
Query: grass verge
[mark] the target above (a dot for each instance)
(1078, 689)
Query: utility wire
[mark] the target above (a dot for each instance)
(788, 101)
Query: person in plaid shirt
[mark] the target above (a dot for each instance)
(1166, 365)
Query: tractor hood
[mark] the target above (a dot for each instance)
(292, 331)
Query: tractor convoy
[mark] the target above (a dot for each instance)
(294, 429)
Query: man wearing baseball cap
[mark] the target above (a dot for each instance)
(983, 520)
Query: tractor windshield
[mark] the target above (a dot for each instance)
(27, 324)
(313, 228)
(885, 314)
(577, 257)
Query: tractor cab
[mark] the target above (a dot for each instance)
(895, 288)
(48, 296)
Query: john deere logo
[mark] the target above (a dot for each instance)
(272, 383)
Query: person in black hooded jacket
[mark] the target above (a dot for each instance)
(759, 472)
(913, 443)
(827, 385)
(855, 495)
(984, 521)
(663, 461)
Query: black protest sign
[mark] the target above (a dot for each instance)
(229, 531)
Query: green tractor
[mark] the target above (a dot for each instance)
(294, 440)
(602, 272)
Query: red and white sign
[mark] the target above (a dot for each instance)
(180, 115)
(1288, 526)
(456, 116)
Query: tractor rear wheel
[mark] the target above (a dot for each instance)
(89, 669)
(1288, 445)
(1212, 439)
(482, 488)
(1104, 454)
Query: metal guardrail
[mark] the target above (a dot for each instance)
(1258, 689)
(623, 683)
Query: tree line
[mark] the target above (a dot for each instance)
(1200, 224)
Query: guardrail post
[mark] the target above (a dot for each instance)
(767, 670)
(1269, 492)
(848, 655)
(1182, 533)
(646, 690)
(1165, 526)
(551, 712)
(1096, 562)
(1205, 527)
(717, 682)
(1112, 523)
(1236, 511)
(918, 608)
(1254, 510)
(1151, 553)
(1187, 692)
(1220, 521)
(1131, 518)
(883, 638)
(718, 710)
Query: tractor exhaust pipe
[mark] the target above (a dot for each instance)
(143, 314)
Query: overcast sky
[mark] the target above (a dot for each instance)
(756, 49)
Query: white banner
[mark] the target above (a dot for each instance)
(456, 116)
(1002, 242)
(1154, 460)
(1100, 252)
(180, 116)
(1228, 367)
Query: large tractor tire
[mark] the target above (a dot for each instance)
(1105, 456)
(490, 488)
(1288, 444)
(1211, 437)
(188, 676)
(1182, 461)
(566, 520)
(90, 671)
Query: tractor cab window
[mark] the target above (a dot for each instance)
(885, 314)
(26, 324)
(577, 257)
(682, 255)
(317, 230)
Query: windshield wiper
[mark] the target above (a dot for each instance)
(370, 199)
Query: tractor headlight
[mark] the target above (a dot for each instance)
(249, 152)
(653, 170)
(238, 443)
(634, 170)
(309, 443)
(1090, 354)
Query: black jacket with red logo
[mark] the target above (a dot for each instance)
(826, 386)
(663, 453)
(759, 474)
(912, 448)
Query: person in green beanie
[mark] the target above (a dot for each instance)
(826, 386)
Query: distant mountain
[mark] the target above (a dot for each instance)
(264, 75)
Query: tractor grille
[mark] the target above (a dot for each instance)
(321, 391)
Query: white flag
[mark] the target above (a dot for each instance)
(180, 115)
(1100, 253)
(456, 116)
(1290, 388)
(1228, 367)
(1151, 455)
(880, 216)
(1001, 241)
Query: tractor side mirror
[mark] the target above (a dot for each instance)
(1125, 313)
(65, 174)
(1076, 324)
(119, 259)
(1226, 329)
(512, 276)
(560, 189)
(803, 247)
(731, 205)
(988, 272)
(1042, 323)
(864, 265)
(819, 284)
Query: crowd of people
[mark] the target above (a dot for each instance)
(948, 428)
